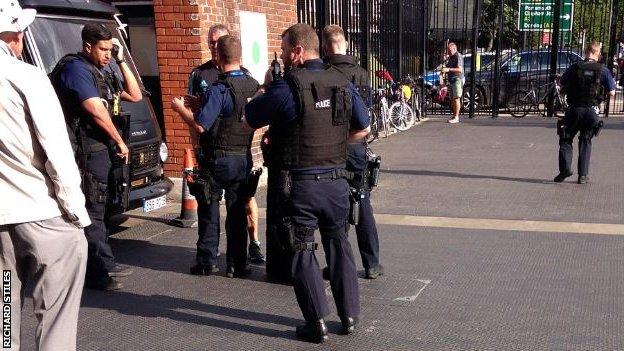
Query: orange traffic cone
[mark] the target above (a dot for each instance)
(188, 213)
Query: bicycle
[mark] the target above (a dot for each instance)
(380, 102)
(523, 102)
(400, 114)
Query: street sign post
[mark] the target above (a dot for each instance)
(537, 15)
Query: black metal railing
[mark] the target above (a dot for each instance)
(508, 45)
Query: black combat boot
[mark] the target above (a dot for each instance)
(313, 331)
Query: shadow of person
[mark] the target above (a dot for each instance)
(182, 310)
(466, 176)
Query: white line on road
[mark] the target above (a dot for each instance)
(496, 224)
(413, 298)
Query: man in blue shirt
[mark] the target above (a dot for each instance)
(312, 114)
(586, 83)
(225, 162)
(90, 95)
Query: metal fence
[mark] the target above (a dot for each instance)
(509, 46)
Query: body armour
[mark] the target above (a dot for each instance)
(82, 129)
(585, 88)
(318, 136)
(228, 133)
(357, 75)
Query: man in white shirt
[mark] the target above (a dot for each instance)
(42, 207)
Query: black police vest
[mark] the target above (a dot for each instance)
(228, 132)
(358, 76)
(318, 136)
(82, 129)
(585, 87)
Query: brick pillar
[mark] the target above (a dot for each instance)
(181, 36)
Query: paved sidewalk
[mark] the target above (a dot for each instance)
(482, 252)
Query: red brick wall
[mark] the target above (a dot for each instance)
(181, 35)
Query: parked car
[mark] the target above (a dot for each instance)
(516, 72)
(56, 32)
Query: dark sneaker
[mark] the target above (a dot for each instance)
(237, 273)
(583, 179)
(375, 272)
(110, 285)
(561, 177)
(348, 324)
(120, 270)
(202, 269)
(255, 253)
(313, 331)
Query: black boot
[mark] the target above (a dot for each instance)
(313, 331)
(202, 269)
(348, 324)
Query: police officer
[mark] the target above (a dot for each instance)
(226, 159)
(311, 114)
(585, 84)
(200, 81)
(335, 46)
(89, 91)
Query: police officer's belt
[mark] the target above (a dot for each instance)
(332, 175)
(223, 153)
(305, 246)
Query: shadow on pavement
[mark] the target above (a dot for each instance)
(178, 309)
(466, 176)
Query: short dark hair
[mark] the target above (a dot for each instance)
(92, 33)
(333, 34)
(229, 49)
(303, 35)
(218, 28)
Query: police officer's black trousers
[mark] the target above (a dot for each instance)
(366, 231)
(100, 257)
(278, 259)
(229, 173)
(323, 205)
(580, 120)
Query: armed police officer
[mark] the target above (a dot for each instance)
(335, 46)
(225, 162)
(90, 92)
(311, 114)
(200, 80)
(586, 84)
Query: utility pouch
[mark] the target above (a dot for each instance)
(560, 128)
(286, 234)
(120, 188)
(95, 192)
(284, 185)
(341, 105)
(252, 182)
(597, 128)
(200, 188)
(373, 167)
(355, 197)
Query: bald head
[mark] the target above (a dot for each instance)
(334, 41)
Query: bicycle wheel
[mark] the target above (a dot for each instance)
(374, 126)
(401, 116)
(519, 104)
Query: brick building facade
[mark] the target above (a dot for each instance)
(181, 39)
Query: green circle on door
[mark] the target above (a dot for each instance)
(255, 52)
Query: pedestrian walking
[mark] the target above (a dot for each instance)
(454, 69)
